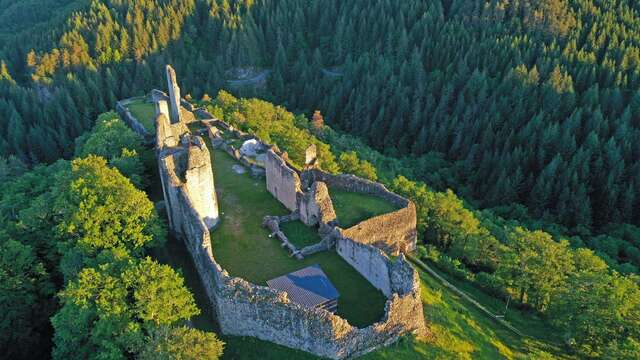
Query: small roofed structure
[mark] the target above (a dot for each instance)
(309, 287)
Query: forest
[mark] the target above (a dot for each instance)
(512, 124)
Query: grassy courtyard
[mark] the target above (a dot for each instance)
(352, 208)
(144, 111)
(299, 234)
(243, 247)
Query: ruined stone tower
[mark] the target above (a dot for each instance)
(185, 164)
(174, 95)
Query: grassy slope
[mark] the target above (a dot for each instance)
(242, 246)
(351, 208)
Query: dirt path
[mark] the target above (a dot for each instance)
(258, 78)
(464, 295)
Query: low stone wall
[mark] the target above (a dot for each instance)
(273, 223)
(133, 123)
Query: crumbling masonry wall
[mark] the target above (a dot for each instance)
(174, 95)
(247, 309)
(191, 171)
(283, 182)
(316, 208)
(394, 232)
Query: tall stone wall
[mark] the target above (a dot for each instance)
(199, 181)
(190, 161)
(174, 95)
(283, 182)
(394, 232)
(369, 261)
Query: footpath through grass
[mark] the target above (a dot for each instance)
(352, 208)
(243, 247)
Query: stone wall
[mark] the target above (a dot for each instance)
(199, 181)
(394, 232)
(387, 275)
(369, 261)
(133, 123)
(190, 162)
(283, 182)
(246, 309)
(316, 208)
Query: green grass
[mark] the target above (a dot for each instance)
(352, 208)
(243, 247)
(299, 234)
(145, 112)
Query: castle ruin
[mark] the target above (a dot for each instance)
(174, 95)
(247, 309)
